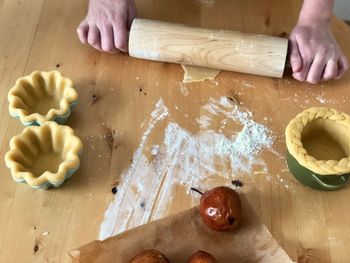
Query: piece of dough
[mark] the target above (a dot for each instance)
(196, 74)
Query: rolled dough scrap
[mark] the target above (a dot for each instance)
(196, 74)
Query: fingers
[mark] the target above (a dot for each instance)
(107, 39)
(120, 36)
(132, 13)
(302, 74)
(94, 37)
(307, 56)
(295, 58)
(343, 66)
(315, 54)
(316, 69)
(331, 69)
(106, 27)
(82, 31)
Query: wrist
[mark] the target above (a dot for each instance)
(316, 13)
(314, 22)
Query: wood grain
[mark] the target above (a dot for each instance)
(220, 49)
(40, 35)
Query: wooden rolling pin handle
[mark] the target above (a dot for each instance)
(219, 49)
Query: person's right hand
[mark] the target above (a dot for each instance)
(107, 23)
(315, 54)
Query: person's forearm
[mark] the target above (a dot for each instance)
(315, 10)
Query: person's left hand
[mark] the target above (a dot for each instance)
(106, 24)
(314, 52)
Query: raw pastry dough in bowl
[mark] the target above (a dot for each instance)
(318, 142)
(42, 96)
(44, 156)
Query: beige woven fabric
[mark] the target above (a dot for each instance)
(295, 147)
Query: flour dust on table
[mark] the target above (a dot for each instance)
(206, 3)
(159, 174)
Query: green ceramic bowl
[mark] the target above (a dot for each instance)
(313, 180)
(318, 148)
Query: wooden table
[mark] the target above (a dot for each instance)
(118, 93)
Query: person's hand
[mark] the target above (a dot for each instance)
(107, 23)
(314, 53)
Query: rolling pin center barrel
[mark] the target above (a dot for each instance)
(219, 49)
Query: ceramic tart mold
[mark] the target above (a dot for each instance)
(44, 156)
(42, 96)
(318, 143)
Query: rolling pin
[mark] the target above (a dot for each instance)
(218, 49)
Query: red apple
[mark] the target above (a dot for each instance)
(220, 209)
(149, 256)
(201, 257)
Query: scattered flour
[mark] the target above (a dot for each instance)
(334, 242)
(243, 83)
(205, 159)
(115, 208)
(247, 84)
(207, 3)
(155, 149)
(183, 89)
(321, 99)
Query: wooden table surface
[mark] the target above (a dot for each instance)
(118, 93)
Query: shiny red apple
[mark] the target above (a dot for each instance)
(220, 208)
(202, 257)
(149, 256)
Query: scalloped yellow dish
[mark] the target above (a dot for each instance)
(44, 156)
(42, 96)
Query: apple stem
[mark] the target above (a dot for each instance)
(237, 183)
(196, 190)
